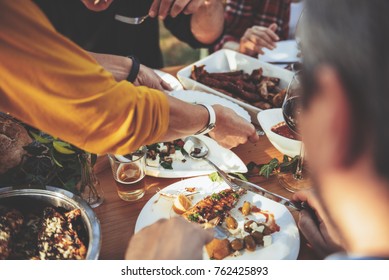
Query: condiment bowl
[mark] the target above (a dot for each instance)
(271, 117)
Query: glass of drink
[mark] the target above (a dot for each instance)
(128, 172)
(291, 110)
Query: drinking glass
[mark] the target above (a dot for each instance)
(291, 110)
(129, 172)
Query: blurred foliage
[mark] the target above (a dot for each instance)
(174, 51)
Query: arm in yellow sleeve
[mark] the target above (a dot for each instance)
(50, 83)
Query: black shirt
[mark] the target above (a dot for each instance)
(100, 32)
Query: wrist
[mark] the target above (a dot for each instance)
(134, 70)
(211, 120)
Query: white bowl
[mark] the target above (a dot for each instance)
(269, 118)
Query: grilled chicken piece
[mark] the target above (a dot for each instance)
(57, 239)
(11, 221)
(214, 206)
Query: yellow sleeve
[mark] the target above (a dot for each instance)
(50, 83)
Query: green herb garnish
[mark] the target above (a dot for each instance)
(215, 177)
(215, 196)
(166, 165)
(194, 217)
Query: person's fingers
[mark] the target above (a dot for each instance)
(166, 86)
(262, 34)
(273, 27)
(164, 8)
(153, 12)
(272, 34)
(250, 48)
(254, 137)
(309, 228)
(193, 6)
(177, 7)
(208, 235)
(262, 42)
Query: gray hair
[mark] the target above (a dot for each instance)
(352, 36)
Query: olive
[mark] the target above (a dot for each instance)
(250, 243)
(231, 223)
(237, 244)
(247, 227)
(246, 209)
(258, 237)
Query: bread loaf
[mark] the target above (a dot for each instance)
(13, 137)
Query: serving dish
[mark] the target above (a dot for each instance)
(285, 244)
(195, 97)
(226, 61)
(224, 158)
(56, 197)
(269, 118)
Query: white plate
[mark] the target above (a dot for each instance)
(225, 61)
(286, 242)
(192, 96)
(269, 118)
(285, 51)
(171, 80)
(224, 158)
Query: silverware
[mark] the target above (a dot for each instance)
(263, 192)
(131, 20)
(198, 150)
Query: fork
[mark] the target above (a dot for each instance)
(131, 20)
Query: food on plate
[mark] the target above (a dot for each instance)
(51, 235)
(218, 249)
(283, 130)
(231, 223)
(164, 154)
(237, 244)
(213, 206)
(181, 204)
(246, 208)
(251, 227)
(255, 88)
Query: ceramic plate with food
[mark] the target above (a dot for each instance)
(277, 235)
(165, 160)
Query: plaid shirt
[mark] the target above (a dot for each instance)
(240, 15)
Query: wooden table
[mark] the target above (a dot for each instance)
(118, 217)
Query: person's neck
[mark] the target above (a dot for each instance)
(358, 202)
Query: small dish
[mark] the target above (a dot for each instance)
(269, 118)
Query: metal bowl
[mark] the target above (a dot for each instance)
(62, 198)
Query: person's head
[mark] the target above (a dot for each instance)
(346, 79)
(97, 5)
(345, 48)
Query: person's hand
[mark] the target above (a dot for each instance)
(163, 8)
(232, 130)
(174, 239)
(317, 230)
(97, 5)
(147, 77)
(258, 37)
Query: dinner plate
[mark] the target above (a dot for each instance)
(171, 80)
(193, 96)
(285, 51)
(222, 157)
(286, 242)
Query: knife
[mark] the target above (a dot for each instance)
(265, 193)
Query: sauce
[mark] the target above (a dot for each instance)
(283, 130)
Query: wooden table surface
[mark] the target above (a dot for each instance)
(118, 217)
